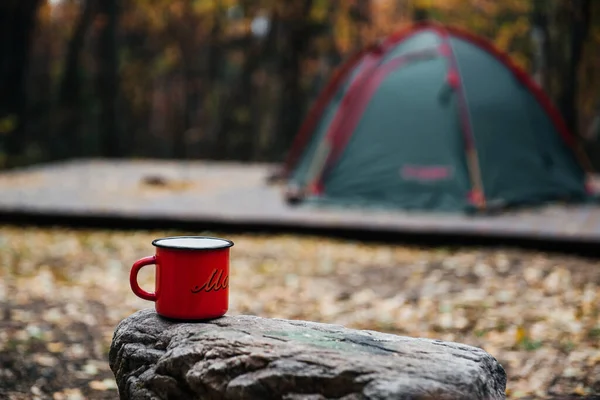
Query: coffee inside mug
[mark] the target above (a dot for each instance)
(192, 243)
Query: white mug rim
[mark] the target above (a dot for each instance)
(226, 243)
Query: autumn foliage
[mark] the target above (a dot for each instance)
(232, 79)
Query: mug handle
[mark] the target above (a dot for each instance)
(135, 287)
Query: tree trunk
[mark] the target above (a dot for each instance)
(296, 37)
(108, 79)
(237, 92)
(67, 139)
(578, 32)
(334, 56)
(540, 36)
(17, 24)
(183, 29)
(239, 96)
(212, 89)
(420, 14)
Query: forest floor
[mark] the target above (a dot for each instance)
(62, 292)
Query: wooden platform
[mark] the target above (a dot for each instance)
(203, 194)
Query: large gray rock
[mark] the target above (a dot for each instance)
(245, 357)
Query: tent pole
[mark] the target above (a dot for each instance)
(472, 155)
(475, 172)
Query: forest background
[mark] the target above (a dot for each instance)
(233, 79)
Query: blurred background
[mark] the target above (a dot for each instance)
(232, 79)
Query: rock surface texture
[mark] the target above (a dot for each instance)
(246, 357)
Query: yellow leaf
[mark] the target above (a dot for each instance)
(580, 390)
(424, 3)
(55, 347)
(520, 334)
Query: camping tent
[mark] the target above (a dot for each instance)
(433, 118)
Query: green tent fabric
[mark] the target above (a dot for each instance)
(433, 118)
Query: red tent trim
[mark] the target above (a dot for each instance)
(316, 111)
(370, 65)
(454, 79)
(521, 75)
(477, 194)
(340, 134)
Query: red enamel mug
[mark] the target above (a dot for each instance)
(191, 279)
